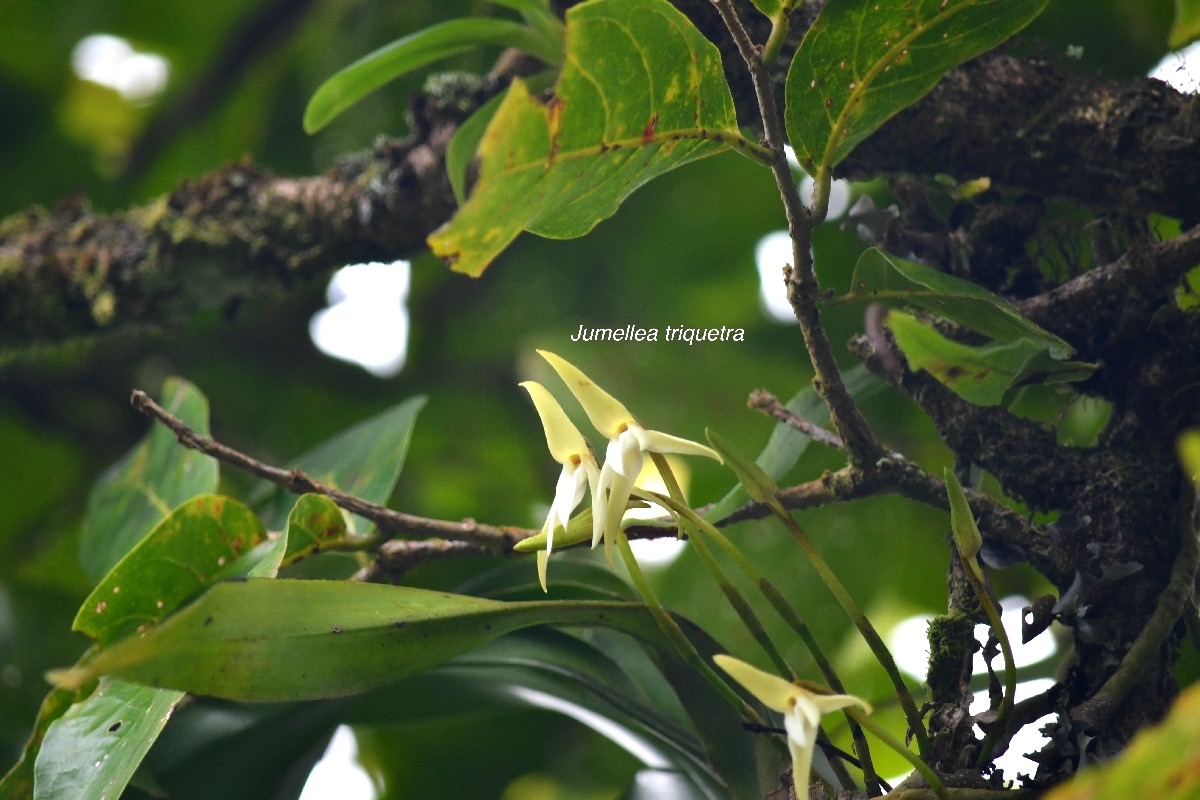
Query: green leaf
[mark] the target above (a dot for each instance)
(887, 278)
(1160, 761)
(365, 461)
(758, 484)
(967, 537)
(463, 146)
(980, 375)
(18, 781)
(143, 487)
(769, 8)
(551, 670)
(198, 543)
(641, 93)
(414, 51)
(1185, 27)
(786, 444)
(862, 61)
(574, 579)
(1189, 454)
(269, 640)
(315, 521)
(93, 749)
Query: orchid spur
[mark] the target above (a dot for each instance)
(579, 468)
(628, 444)
(801, 708)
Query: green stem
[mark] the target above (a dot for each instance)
(992, 612)
(879, 732)
(780, 24)
(869, 634)
(675, 635)
(785, 610)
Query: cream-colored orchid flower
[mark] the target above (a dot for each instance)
(579, 468)
(801, 709)
(628, 443)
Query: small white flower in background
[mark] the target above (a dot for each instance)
(628, 443)
(801, 708)
(579, 468)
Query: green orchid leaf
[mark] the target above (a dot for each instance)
(1185, 27)
(967, 537)
(415, 51)
(863, 61)
(980, 375)
(540, 16)
(149, 481)
(93, 749)
(757, 482)
(197, 544)
(786, 444)
(880, 276)
(552, 670)
(641, 93)
(1159, 762)
(275, 640)
(364, 460)
(574, 579)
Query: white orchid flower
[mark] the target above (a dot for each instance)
(801, 708)
(628, 443)
(579, 468)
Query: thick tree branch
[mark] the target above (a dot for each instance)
(241, 231)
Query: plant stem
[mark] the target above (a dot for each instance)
(675, 635)
(878, 731)
(869, 634)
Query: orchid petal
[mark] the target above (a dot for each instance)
(625, 453)
(563, 439)
(802, 740)
(543, 561)
(771, 690)
(607, 413)
(658, 442)
(572, 482)
(618, 499)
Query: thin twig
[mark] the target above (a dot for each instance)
(492, 538)
(764, 401)
(803, 289)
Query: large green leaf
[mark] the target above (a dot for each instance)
(365, 461)
(641, 92)
(887, 278)
(862, 61)
(93, 749)
(267, 640)
(1161, 761)
(980, 375)
(199, 542)
(143, 487)
(18, 781)
(417, 50)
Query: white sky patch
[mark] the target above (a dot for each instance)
(910, 647)
(338, 775)
(1181, 69)
(113, 62)
(366, 322)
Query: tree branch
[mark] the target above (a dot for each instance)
(497, 540)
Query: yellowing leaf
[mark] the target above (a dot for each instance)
(641, 93)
